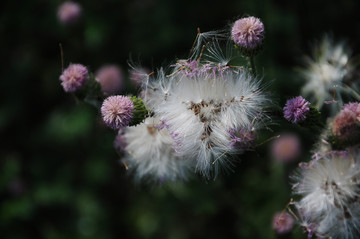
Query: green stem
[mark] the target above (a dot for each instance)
(252, 65)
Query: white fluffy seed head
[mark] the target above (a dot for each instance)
(149, 153)
(325, 71)
(200, 110)
(330, 190)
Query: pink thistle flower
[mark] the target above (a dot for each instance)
(345, 124)
(354, 107)
(248, 32)
(295, 109)
(283, 222)
(69, 12)
(286, 148)
(117, 111)
(74, 77)
(110, 78)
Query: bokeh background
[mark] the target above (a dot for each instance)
(60, 177)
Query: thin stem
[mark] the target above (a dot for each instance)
(252, 65)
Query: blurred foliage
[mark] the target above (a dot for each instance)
(60, 176)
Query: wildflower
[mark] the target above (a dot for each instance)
(353, 107)
(286, 148)
(110, 78)
(329, 188)
(296, 109)
(203, 109)
(346, 123)
(69, 12)
(248, 33)
(283, 222)
(326, 69)
(150, 155)
(74, 77)
(117, 111)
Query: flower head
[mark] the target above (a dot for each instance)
(329, 188)
(69, 12)
(74, 77)
(325, 70)
(203, 109)
(353, 107)
(117, 111)
(286, 148)
(295, 109)
(248, 32)
(150, 155)
(110, 78)
(346, 123)
(283, 222)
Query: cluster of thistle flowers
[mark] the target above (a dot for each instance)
(202, 110)
(195, 115)
(328, 186)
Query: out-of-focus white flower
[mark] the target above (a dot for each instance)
(149, 153)
(325, 70)
(330, 190)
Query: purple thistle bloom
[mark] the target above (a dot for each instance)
(74, 77)
(248, 32)
(110, 78)
(353, 107)
(188, 68)
(117, 111)
(295, 109)
(69, 12)
(283, 222)
(242, 139)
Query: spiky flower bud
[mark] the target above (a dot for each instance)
(296, 109)
(248, 34)
(117, 111)
(74, 77)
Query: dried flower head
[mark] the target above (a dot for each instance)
(110, 78)
(295, 109)
(327, 67)
(69, 12)
(117, 111)
(283, 222)
(74, 77)
(150, 154)
(286, 148)
(248, 32)
(203, 109)
(330, 188)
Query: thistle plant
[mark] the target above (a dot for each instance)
(201, 113)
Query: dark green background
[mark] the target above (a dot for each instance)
(59, 175)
